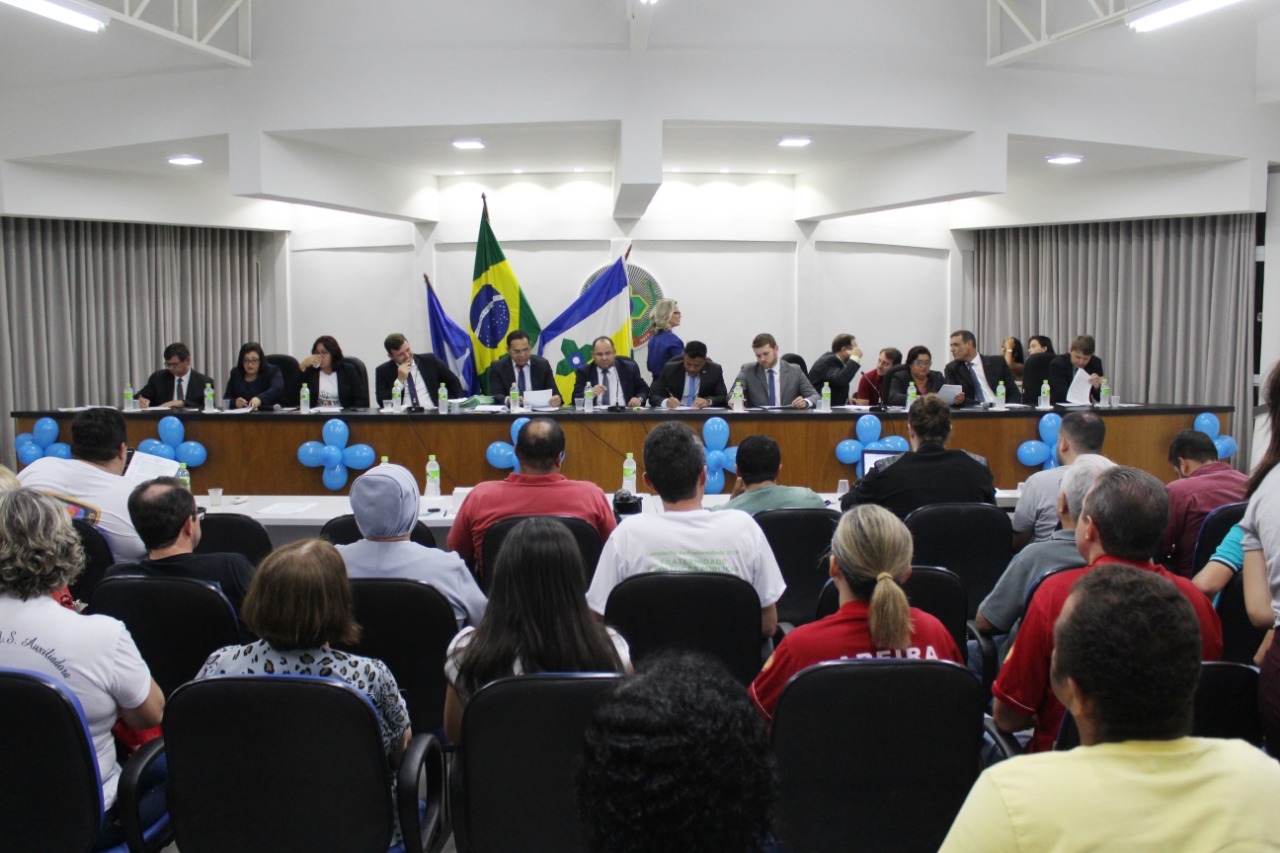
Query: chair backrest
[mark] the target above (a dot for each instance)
(888, 377)
(292, 373)
(710, 612)
(50, 792)
(584, 534)
(797, 360)
(974, 540)
(343, 530)
(407, 625)
(1035, 370)
(1214, 529)
(363, 398)
(276, 762)
(801, 543)
(935, 590)
(176, 622)
(98, 558)
(231, 532)
(1240, 640)
(521, 740)
(853, 737)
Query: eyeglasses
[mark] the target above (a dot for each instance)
(319, 352)
(919, 363)
(254, 360)
(170, 365)
(676, 314)
(200, 511)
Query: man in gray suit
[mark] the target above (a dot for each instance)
(789, 385)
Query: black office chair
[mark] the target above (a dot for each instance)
(710, 612)
(512, 784)
(292, 373)
(231, 532)
(343, 530)
(292, 762)
(797, 360)
(407, 625)
(97, 559)
(587, 537)
(1214, 529)
(801, 543)
(1035, 370)
(176, 622)
(974, 540)
(887, 383)
(50, 790)
(363, 398)
(1240, 640)
(875, 754)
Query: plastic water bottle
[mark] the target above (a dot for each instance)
(1105, 398)
(826, 398)
(1043, 402)
(130, 404)
(912, 394)
(739, 401)
(304, 399)
(1002, 396)
(184, 476)
(629, 473)
(513, 399)
(208, 398)
(397, 394)
(589, 399)
(442, 399)
(433, 477)
(385, 459)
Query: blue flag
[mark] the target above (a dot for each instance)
(603, 309)
(450, 342)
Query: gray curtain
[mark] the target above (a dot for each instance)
(89, 306)
(1169, 301)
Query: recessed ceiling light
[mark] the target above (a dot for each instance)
(468, 144)
(794, 141)
(675, 168)
(80, 17)
(724, 171)
(185, 160)
(457, 171)
(577, 168)
(517, 171)
(1064, 159)
(773, 171)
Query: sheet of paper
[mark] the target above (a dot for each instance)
(145, 467)
(244, 411)
(947, 393)
(538, 398)
(285, 508)
(1080, 389)
(490, 408)
(326, 410)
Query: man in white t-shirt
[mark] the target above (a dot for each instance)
(90, 484)
(687, 537)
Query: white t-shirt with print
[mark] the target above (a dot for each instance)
(90, 493)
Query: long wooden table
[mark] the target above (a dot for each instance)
(257, 453)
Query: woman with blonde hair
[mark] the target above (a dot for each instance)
(665, 344)
(870, 559)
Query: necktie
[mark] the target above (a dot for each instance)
(413, 390)
(520, 380)
(693, 392)
(604, 380)
(773, 390)
(178, 395)
(977, 385)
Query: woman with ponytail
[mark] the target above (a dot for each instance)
(870, 558)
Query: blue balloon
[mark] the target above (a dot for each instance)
(59, 449)
(1051, 462)
(1049, 425)
(715, 460)
(164, 450)
(897, 442)
(358, 456)
(335, 434)
(868, 429)
(500, 454)
(21, 439)
(715, 482)
(849, 451)
(1208, 424)
(331, 455)
(1226, 446)
(147, 445)
(192, 453)
(515, 429)
(45, 432)
(335, 477)
(172, 431)
(715, 432)
(29, 453)
(1032, 453)
(877, 446)
(311, 454)
(731, 459)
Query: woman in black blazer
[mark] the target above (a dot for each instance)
(332, 380)
(927, 381)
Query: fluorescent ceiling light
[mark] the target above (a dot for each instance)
(794, 141)
(80, 17)
(1163, 14)
(1064, 159)
(185, 160)
(468, 144)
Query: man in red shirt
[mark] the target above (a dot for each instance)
(1204, 485)
(1122, 521)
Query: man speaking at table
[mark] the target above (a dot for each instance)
(523, 369)
(175, 385)
(421, 375)
(614, 379)
(979, 376)
(772, 382)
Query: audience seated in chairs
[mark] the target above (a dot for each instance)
(1204, 483)
(759, 461)
(1036, 516)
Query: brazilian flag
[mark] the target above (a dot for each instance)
(498, 305)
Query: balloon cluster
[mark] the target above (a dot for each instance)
(172, 446)
(1207, 423)
(868, 430)
(500, 454)
(715, 434)
(1033, 453)
(41, 441)
(334, 455)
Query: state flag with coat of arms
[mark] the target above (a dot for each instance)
(604, 308)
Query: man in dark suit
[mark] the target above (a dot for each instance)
(791, 386)
(614, 379)
(528, 372)
(176, 385)
(838, 367)
(979, 376)
(1062, 369)
(420, 375)
(692, 380)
